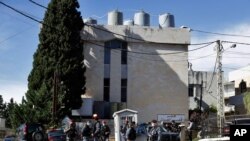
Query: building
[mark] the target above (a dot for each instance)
(229, 91)
(241, 79)
(239, 83)
(202, 85)
(137, 67)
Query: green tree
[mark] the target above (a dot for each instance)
(58, 62)
(246, 99)
(2, 106)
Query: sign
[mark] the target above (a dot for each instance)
(239, 132)
(170, 117)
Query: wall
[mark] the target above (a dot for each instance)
(156, 84)
(202, 81)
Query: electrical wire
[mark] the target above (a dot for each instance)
(15, 34)
(36, 3)
(18, 11)
(211, 81)
(223, 34)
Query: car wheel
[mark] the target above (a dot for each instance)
(37, 136)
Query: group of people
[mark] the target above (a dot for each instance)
(100, 131)
(154, 131)
(128, 132)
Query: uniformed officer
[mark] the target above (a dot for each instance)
(155, 132)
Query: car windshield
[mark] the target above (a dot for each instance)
(55, 132)
(241, 121)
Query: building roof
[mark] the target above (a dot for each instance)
(136, 34)
(125, 110)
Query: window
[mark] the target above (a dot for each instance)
(124, 53)
(191, 91)
(123, 90)
(107, 52)
(115, 44)
(106, 89)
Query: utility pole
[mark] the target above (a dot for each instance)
(220, 95)
(201, 95)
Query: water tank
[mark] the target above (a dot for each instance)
(166, 20)
(90, 21)
(115, 18)
(128, 22)
(142, 19)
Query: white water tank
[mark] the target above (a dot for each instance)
(115, 18)
(128, 22)
(142, 19)
(90, 21)
(166, 20)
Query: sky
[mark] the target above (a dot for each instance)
(19, 35)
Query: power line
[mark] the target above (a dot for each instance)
(223, 34)
(15, 34)
(36, 3)
(18, 11)
(241, 43)
(184, 60)
(211, 81)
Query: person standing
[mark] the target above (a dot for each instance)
(86, 132)
(189, 129)
(131, 132)
(105, 131)
(96, 134)
(71, 132)
(155, 132)
(123, 130)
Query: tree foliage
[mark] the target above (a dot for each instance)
(58, 63)
(246, 99)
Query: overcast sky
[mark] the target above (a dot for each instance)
(19, 35)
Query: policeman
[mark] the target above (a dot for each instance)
(96, 128)
(155, 132)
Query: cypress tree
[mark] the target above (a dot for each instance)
(58, 63)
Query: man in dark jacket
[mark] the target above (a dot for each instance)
(105, 131)
(86, 132)
(96, 128)
(155, 132)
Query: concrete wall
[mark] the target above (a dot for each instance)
(157, 84)
(209, 95)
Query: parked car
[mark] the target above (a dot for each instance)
(226, 129)
(237, 121)
(10, 138)
(56, 135)
(31, 132)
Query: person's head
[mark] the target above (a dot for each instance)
(88, 123)
(104, 122)
(72, 124)
(95, 117)
(131, 124)
(154, 123)
(126, 121)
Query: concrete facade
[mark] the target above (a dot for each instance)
(239, 76)
(156, 84)
(200, 83)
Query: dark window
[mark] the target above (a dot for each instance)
(115, 44)
(124, 53)
(107, 53)
(123, 90)
(191, 91)
(106, 89)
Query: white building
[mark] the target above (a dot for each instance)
(137, 67)
(202, 85)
